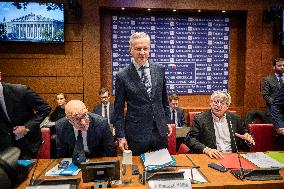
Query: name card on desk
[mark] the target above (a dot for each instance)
(159, 184)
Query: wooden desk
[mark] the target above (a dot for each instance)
(216, 179)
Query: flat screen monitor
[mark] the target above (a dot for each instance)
(103, 170)
(32, 22)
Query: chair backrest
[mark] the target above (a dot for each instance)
(172, 140)
(183, 149)
(44, 152)
(191, 116)
(263, 135)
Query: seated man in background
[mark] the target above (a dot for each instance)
(271, 85)
(177, 116)
(21, 112)
(177, 113)
(217, 131)
(88, 129)
(105, 109)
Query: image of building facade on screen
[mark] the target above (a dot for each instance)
(31, 22)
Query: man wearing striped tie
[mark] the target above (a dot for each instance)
(142, 86)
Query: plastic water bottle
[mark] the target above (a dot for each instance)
(127, 167)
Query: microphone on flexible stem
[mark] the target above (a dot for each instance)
(239, 158)
(32, 180)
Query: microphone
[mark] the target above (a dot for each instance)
(32, 180)
(239, 158)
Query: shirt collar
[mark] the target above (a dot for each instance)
(137, 66)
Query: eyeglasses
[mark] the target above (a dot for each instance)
(140, 49)
(77, 119)
(104, 97)
(216, 103)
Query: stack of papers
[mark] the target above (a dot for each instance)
(157, 160)
(262, 160)
(71, 170)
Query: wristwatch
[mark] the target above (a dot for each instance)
(27, 129)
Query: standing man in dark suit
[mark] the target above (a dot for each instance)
(96, 136)
(214, 131)
(272, 83)
(277, 112)
(21, 112)
(105, 109)
(177, 113)
(142, 85)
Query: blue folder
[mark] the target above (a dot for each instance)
(172, 163)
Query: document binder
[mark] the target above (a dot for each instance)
(259, 174)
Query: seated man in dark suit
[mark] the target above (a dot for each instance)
(177, 116)
(105, 109)
(217, 131)
(177, 113)
(97, 140)
(21, 112)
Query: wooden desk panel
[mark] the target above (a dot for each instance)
(217, 180)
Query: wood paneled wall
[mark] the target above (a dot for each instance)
(81, 65)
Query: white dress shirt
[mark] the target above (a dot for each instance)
(222, 133)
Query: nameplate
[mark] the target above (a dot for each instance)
(159, 184)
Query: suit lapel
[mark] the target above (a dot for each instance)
(276, 81)
(69, 135)
(137, 80)
(210, 123)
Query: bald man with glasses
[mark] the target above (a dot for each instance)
(96, 136)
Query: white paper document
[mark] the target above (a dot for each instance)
(159, 157)
(262, 160)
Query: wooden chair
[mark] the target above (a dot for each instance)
(264, 137)
(191, 116)
(183, 149)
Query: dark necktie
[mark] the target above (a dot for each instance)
(280, 79)
(174, 117)
(79, 153)
(145, 80)
(105, 107)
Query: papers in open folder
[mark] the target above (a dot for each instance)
(231, 161)
(157, 160)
